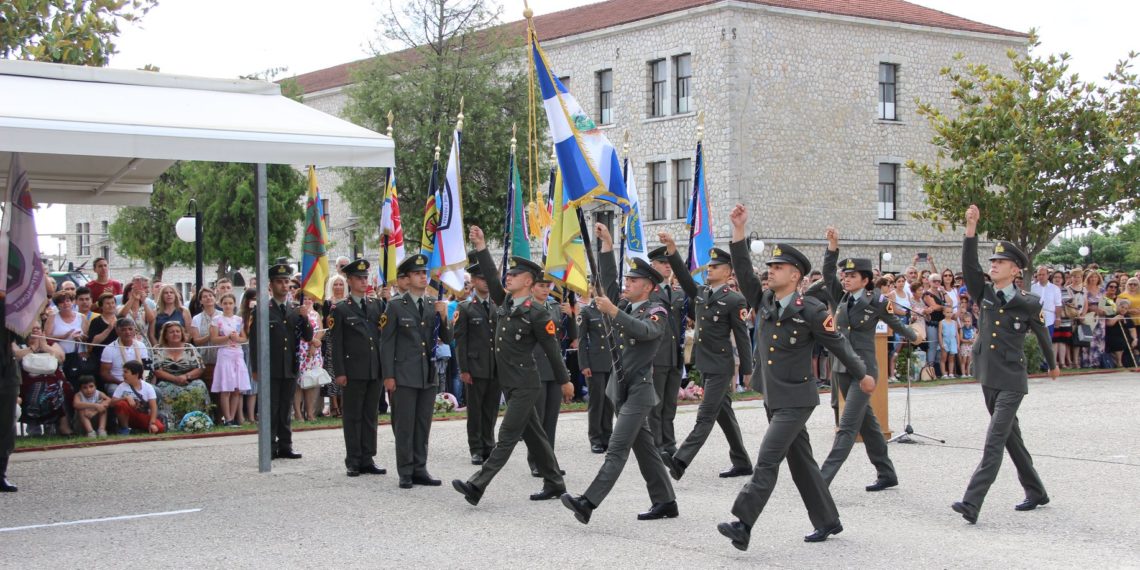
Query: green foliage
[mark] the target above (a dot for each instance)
(904, 361)
(147, 232)
(1118, 249)
(1033, 355)
(77, 32)
(1038, 150)
(452, 52)
(185, 402)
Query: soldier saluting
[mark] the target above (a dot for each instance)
(788, 326)
(355, 328)
(520, 325)
(999, 359)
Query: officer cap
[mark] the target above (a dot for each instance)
(859, 264)
(1006, 250)
(718, 256)
(784, 253)
(640, 268)
(357, 268)
(523, 265)
(418, 262)
(280, 270)
(658, 254)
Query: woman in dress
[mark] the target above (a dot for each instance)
(170, 309)
(248, 304)
(1063, 328)
(310, 358)
(1095, 314)
(179, 369)
(231, 377)
(198, 333)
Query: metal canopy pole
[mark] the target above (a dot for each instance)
(264, 438)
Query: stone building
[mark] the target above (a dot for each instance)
(809, 111)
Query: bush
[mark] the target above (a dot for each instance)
(1034, 358)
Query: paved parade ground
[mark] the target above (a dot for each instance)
(211, 508)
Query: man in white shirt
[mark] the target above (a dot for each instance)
(125, 349)
(1050, 295)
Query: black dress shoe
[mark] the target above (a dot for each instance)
(288, 454)
(426, 480)
(352, 472)
(968, 512)
(405, 481)
(737, 532)
(598, 448)
(675, 466)
(1030, 504)
(547, 494)
(468, 491)
(476, 459)
(580, 506)
(821, 534)
(881, 484)
(659, 511)
(7, 487)
(373, 469)
(736, 472)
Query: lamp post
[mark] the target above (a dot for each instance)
(883, 256)
(189, 229)
(755, 244)
(1084, 251)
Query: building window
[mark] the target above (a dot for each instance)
(605, 96)
(325, 212)
(354, 239)
(887, 91)
(658, 78)
(683, 174)
(83, 231)
(659, 187)
(888, 190)
(105, 253)
(684, 72)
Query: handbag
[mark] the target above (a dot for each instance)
(1083, 337)
(1089, 319)
(313, 377)
(39, 363)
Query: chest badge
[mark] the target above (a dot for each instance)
(792, 340)
(1016, 326)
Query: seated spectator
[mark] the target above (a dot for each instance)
(91, 407)
(43, 390)
(178, 370)
(135, 402)
(170, 310)
(125, 349)
(103, 282)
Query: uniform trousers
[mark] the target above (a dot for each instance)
(483, 395)
(547, 405)
(787, 437)
(716, 407)
(281, 413)
(412, 409)
(359, 403)
(857, 418)
(1003, 433)
(600, 410)
(632, 432)
(667, 382)
(520, 421)
(8, 394)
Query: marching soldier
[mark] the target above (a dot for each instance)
(670, 358)
(408, 335)
(639, 327)
(549, 402)
(720, 319)
(788, 327)
(859, 308)
(355, 328)
(288, 325)
(473, 329)
(999, 358)
(520, 325)
(596, 362)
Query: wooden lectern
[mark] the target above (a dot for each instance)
(879, 396)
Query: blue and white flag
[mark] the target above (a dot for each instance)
(634, 234)
(449, 257)
(588, 162)
(700, 228)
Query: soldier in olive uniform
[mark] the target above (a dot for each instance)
(520, 325)
(670, 355)
(596, 362)
(286, 322)
(788, 327)
(549, 402)
(409, 330)
(473, 329)
(639, 326)
(720, 319)
(858, 310)
(999, 360)
(9, 392)
(355, 328)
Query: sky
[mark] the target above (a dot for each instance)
(228, 38)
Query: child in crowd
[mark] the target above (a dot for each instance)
(135, 402)
(948, 339)
(231, 377)
(91, 407)
(966, 335)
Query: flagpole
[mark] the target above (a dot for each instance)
(508, 227)
(387, 182)
(625, 180)
(696, 188)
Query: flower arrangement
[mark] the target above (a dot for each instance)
(195, 422)
(445, 402)
(691, 391)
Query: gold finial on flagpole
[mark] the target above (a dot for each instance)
(625, 145)
(391, 118)
(438, 137)
(459, 123)
(700, 126)
(527, 12)
(514, 141)
(554, 153)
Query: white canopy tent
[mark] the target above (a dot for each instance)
(102, 136)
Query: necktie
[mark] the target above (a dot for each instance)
(486, 307)
(420, 304)
(629, 309)
(1001, 298)
(777, 311)
(850, 304)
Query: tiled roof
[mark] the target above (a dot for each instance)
(602, 15)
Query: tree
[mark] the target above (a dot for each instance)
(77, 32)
(1038, 151)
(1112, 250)
(453, 50)
(147, 232)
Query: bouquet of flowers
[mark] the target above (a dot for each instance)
(195, 422)
(691, 391)
(445, 402)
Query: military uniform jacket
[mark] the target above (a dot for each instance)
(858, 324)
(593, 345)
(473, 328)
(999, 351)
(784, 345)
(355, 332)
(407, 341)
(286, 329)
(669, 351)
(518, 330)
(638, 333)
(545, 371)
(720, 316)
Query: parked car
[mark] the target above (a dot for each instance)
(78, 277)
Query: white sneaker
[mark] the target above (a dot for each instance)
(91, 434)
(102, 433)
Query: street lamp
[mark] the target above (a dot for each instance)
(755, 244)
(883, 256)
(189, 229)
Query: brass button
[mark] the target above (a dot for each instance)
(995, 335)
(771, 349)
(992, 347)
(997, 322)
(1001, 311)
(769, 363)
(774, 337)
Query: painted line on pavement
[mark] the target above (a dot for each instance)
(107, 519)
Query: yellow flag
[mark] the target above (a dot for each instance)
(566, 255)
